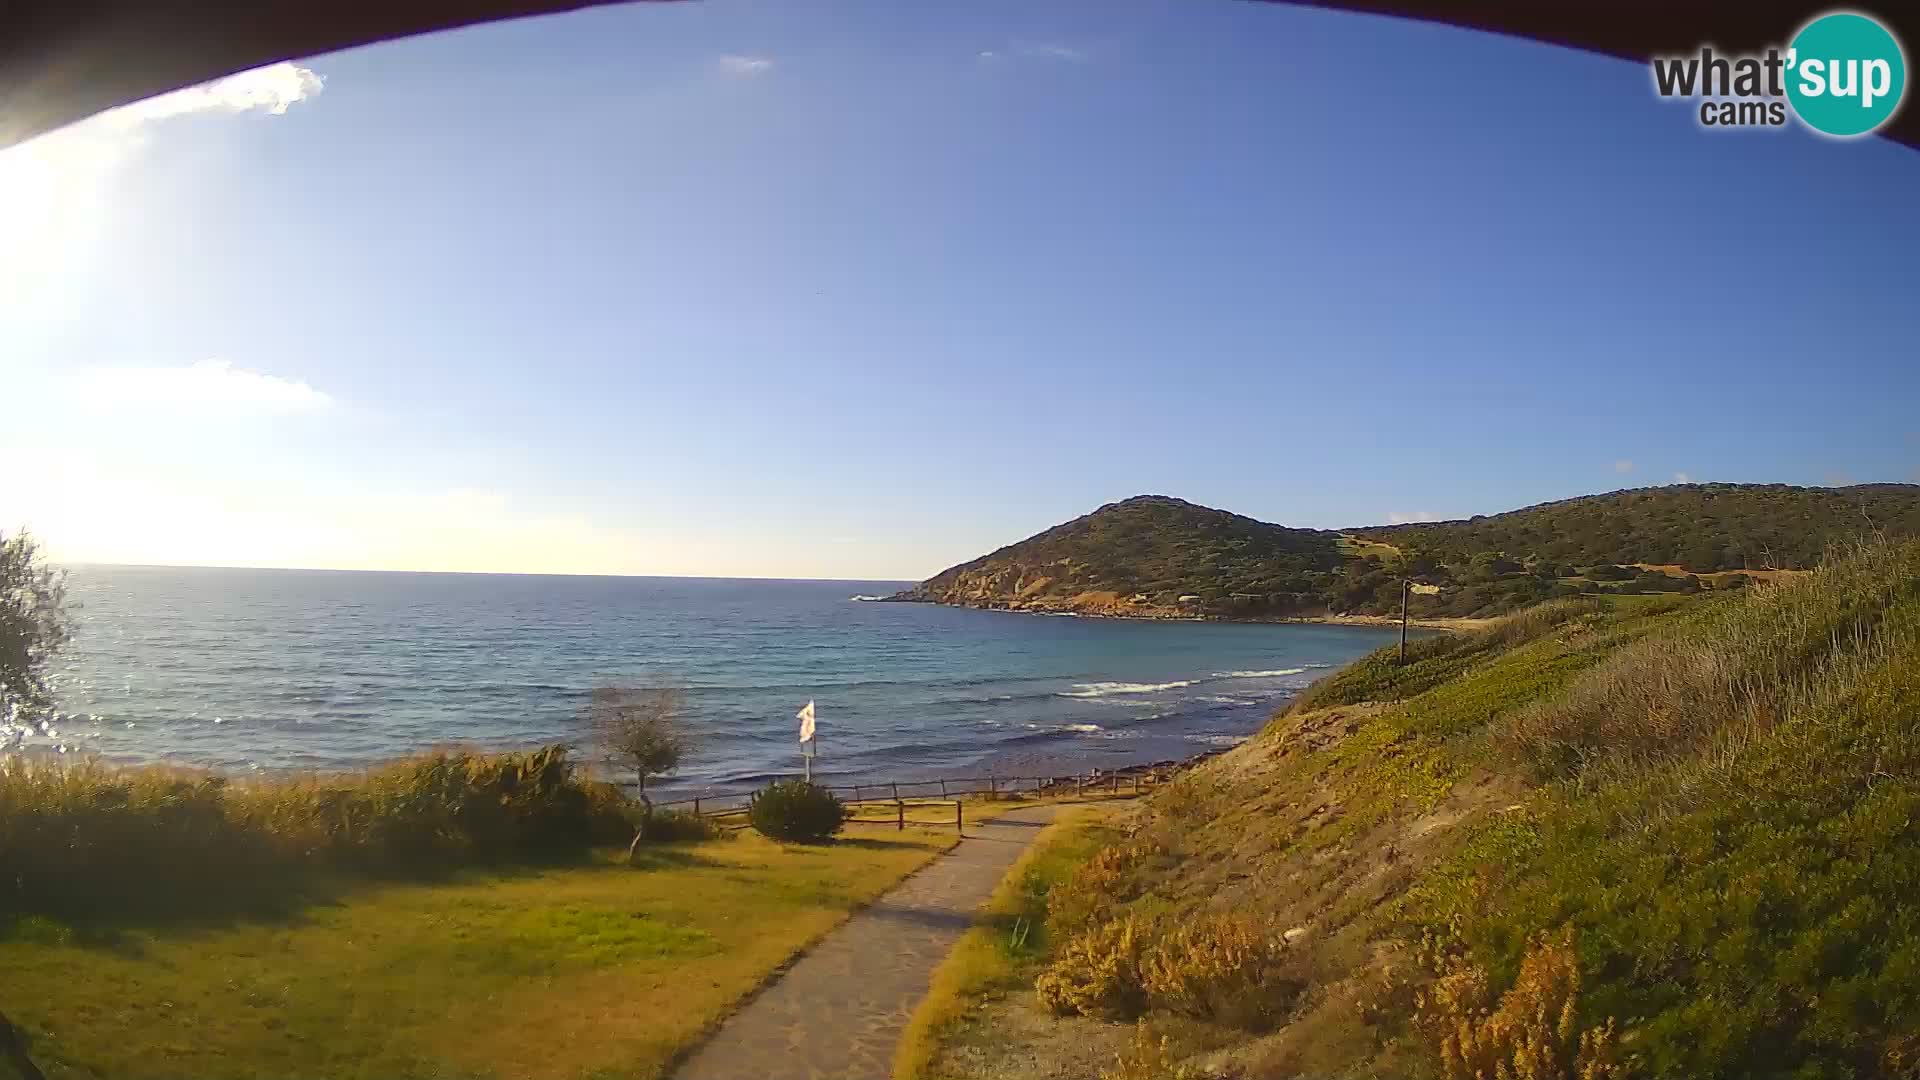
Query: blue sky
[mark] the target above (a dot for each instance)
(865, 289)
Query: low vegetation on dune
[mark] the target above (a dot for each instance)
(1675, 838)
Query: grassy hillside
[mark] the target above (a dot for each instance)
(1158, 556)
(1701, 527)
(1676, 840)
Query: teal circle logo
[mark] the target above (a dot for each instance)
(1846, 74)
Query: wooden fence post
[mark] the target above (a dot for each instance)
(696, 808)
(901, 809)
(896, 791)
(959, 823)
(993, 789)
(943, 789)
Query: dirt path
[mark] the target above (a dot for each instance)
(838, 1012)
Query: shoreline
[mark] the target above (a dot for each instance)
(1454, 624)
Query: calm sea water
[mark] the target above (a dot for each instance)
(279, 669)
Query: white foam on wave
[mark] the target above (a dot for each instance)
(1219, 740)
(866, 599)
(1083, 729)
(1109, 689)
(1274, 674)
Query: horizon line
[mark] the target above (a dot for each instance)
(68, 565)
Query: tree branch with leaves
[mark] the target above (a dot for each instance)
(33, 627)
(642, 731)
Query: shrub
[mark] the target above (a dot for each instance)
(1097, 973)
(1096, 887)
(680, 826)
(610, 814)
(1219, 967)
(796, 810)
(1531, 1035)
(1147, 1058)
(80, 836)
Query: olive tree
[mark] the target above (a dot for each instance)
(33, 627)
(642, 731)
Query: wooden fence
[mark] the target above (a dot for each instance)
(945, 796)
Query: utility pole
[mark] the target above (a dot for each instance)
(1405, 584)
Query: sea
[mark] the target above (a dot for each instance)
(275, 670)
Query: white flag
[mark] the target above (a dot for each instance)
(806, 723)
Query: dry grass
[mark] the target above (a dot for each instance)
(1531, 1033)
(1727, 676)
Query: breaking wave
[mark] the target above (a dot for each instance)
(1109, 689)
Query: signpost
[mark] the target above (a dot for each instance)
(1408, 585)
(1405, 585)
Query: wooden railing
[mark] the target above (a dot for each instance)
(948, 794)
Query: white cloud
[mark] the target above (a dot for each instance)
(1623, 466)
(1404, 517)
(211, 386)
(739, 64)
(1051, 51)
(1682, 478)
(54, 189)
(1034, 50)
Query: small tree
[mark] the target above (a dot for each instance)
(33, 627)
(640, 729)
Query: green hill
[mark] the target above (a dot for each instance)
(1158, 556)
(1677, 838)
(1141, 556)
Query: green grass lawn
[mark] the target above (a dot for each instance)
(590, 970)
